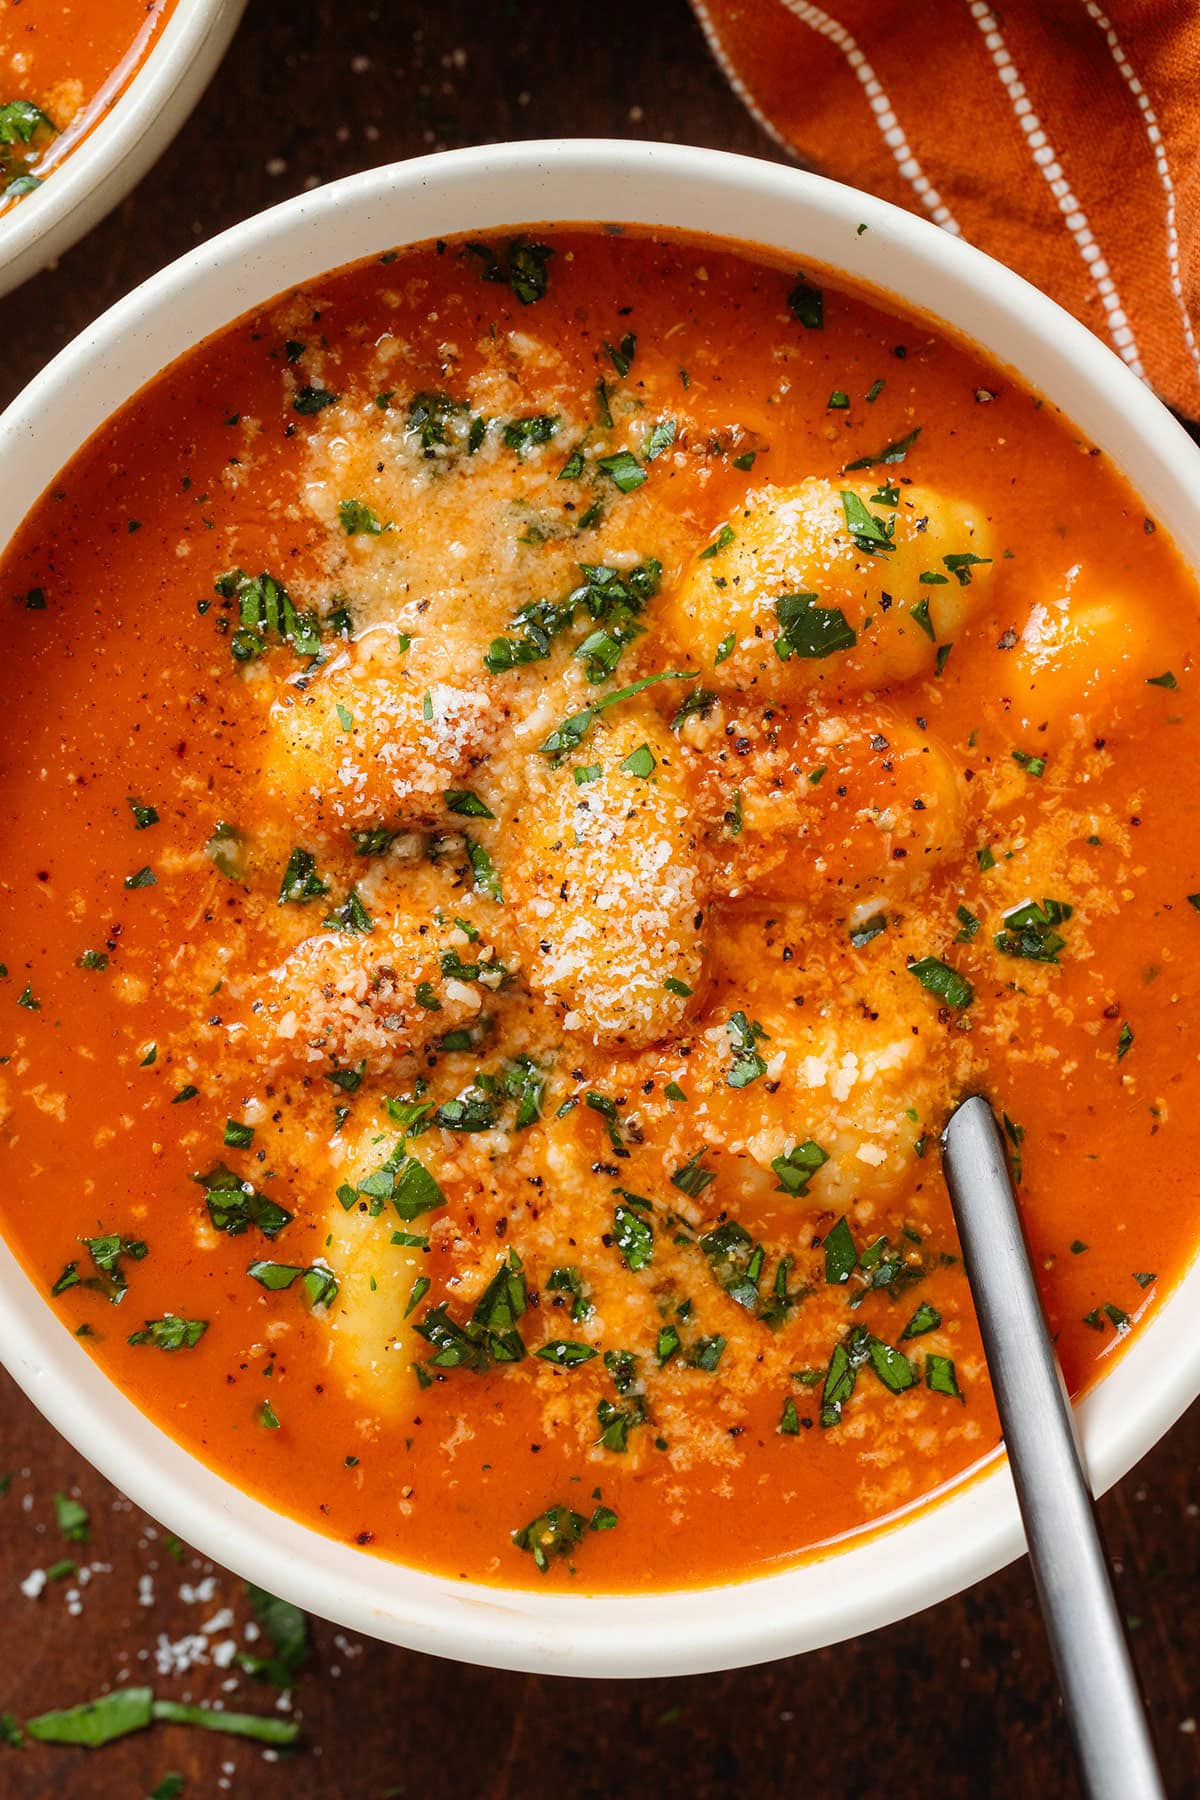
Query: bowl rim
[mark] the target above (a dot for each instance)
(115, 153)
(974, 1528)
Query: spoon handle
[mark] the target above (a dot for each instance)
(1100, 1693)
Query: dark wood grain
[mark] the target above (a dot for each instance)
(957, 1702)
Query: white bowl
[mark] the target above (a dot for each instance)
(116, 153)
(935, 1549)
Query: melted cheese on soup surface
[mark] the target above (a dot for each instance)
(537, 773)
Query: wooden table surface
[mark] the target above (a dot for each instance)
(958, 1701)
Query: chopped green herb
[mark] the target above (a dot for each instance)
(723, 539)
(940, 1376)
(660, 439)
(623, 469)
(235, 1205)
(528, 432)
(555, 1532)
(797, 1166)
(570, 1281)
(891, 453)
(358, 520)
(871, 534)
(743, 1035)
(171, 1333)
(351, 916)
(693, 1178)
(319, 1284)
(870, 928)
(72, 1519)
(807, 304)
(565, 1354)
(1030, 931)
(571, 733)
(926, 1318)
(301, 883)
(810, 630)
(640, 762)
(634, 1236)
(891, 1366)
(841, 1257)
(469, 805)
(946, 983)
(308, 399)
(522, 267)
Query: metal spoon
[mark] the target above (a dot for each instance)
(1103, 1706)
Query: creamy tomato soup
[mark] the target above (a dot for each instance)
(535, 774)
(62, 65)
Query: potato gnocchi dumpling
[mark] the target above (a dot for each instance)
(366, 741)
(1081, 644)
(828, 585)
(853, 1071)
(379, 988)
(601, 864)
(829, 814)
(371, 1344)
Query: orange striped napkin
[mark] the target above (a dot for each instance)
(1061, 135)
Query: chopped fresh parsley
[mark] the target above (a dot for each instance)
(1030, 931)
(301, 883)
(747, 1064)
(940, 1376)
(235, 1205)
(521, 266)
(351, 916)
(623, 469)
(571, 733)
(723, 539)
(171, 1333)
(797, 1166)
(633, 1235)
(871, 534)
(693, 1178)
(640, 762)
(308, 400)
(558, 1530)
(661, 438)
(810, 630)
(806, 303)
(528, 432)
(841, 1257)
(357, 519)
(564, 1353)
(945, 983)
(319, 1284)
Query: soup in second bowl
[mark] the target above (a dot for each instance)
(63, 64)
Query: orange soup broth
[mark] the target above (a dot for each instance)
(73, 59)
(119, 687)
